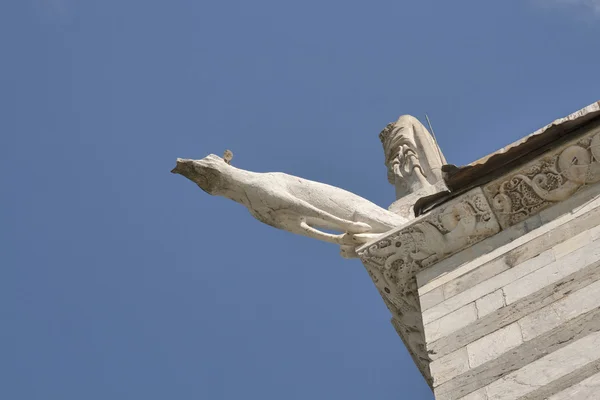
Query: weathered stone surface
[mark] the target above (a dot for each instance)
(416, 349)
(432, 298)
(489, 303)
(515, 311)
(488, 286)
(570, 304)
(595, 233)
(520, 357)
(474, 277)
(450, 323)
(588, 389)
(559, 312)
(549, 179)
(493, 345)
(477, 395)
(553, 272)
(547, 369)
(564, 382)
(449, 366)
(572, 244)
(538, 273)
(471, 258)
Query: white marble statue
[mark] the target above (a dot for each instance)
(294, 204)
(413, 158)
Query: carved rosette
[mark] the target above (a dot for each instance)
(547, 180)
(394, 260)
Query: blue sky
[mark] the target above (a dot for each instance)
(119, 280)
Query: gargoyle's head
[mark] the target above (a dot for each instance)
(207, 173)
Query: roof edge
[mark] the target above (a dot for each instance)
(461, 179)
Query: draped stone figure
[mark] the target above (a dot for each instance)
(413, 160)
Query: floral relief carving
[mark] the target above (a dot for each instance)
(546, 181)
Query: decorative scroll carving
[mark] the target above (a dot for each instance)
(545, 181)
(394, 260)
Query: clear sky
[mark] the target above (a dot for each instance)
(119, 280)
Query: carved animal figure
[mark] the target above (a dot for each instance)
(294, 204)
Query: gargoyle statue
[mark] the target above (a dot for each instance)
(294, 204)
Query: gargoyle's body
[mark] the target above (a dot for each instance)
(294, 204)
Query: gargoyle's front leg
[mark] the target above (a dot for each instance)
(354, 232)
(316, 216)
(342, 239)
(348, 241)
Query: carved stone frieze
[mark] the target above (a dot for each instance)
(394, 260)
(549, 179)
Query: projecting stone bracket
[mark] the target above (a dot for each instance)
(394, 260)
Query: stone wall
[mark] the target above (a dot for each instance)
(496, 291)
(523, 319)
